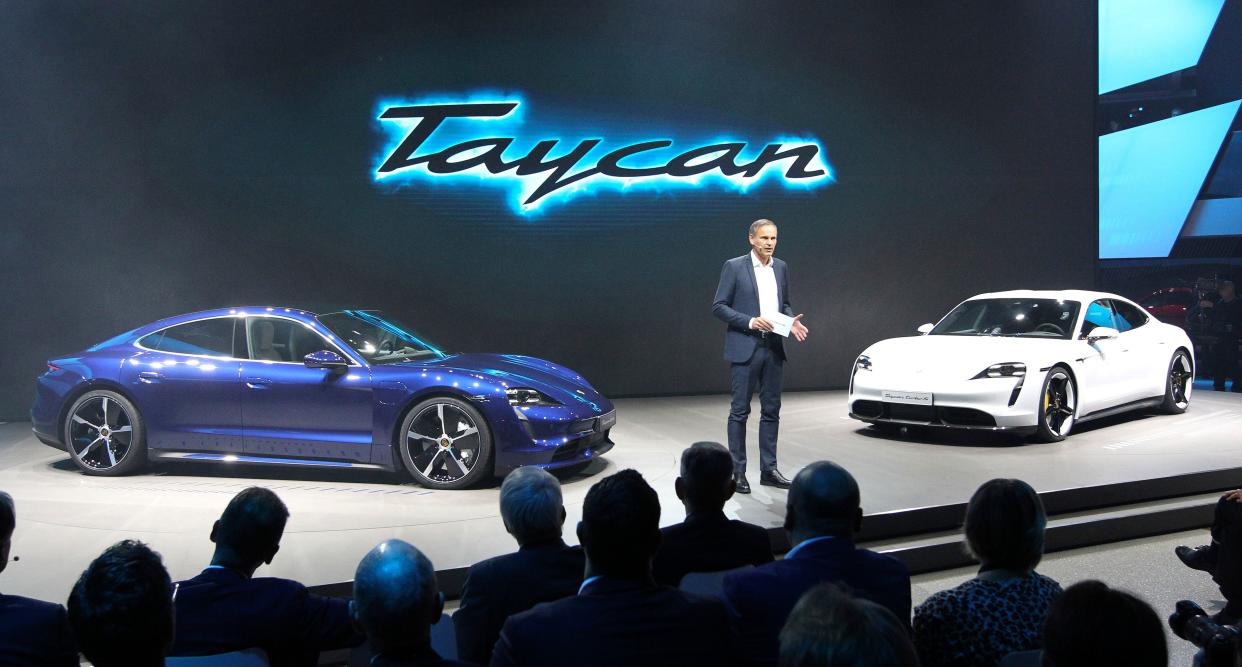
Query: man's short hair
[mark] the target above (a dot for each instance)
(1091, 624)
(531, 504)
(706, 469)
(620, 529)
(823, 500)
(1005, 523)
(830, 628)
(8, 516)
(395, 594)
(758, 224)
(252, 523)
(121, 608)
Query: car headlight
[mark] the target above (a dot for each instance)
(519, 396)
(1009, 369)
(863, 363)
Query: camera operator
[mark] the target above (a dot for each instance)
(1222, 559)
(1219, 645)
(1223, 320)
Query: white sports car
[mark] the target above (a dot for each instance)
(1030, 362)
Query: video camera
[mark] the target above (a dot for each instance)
(1221, 644)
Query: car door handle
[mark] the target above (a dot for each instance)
(258, 383)
(149, 377)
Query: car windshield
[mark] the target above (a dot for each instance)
(1028, 318)
(379, 338)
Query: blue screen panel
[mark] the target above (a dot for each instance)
(1143, 39)
(1150, 176)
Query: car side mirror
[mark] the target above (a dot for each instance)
(926, 328)
(325, 359)
(1101, 333)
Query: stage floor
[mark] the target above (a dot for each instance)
(65, 518)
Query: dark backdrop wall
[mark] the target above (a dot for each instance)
(160, 158)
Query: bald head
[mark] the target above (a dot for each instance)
(396, 600)
(823, 501)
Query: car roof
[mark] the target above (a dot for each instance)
(1084, 296)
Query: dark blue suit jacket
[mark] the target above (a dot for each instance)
(619, 623)
(708, 542)
(33, 632)
(500, 587)
(737, 300)
(762, 597)
(222, 610)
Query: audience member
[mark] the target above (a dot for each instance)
(1002, 609)
(542, 570)
(121, 608)
(1223, 557)
(32, 632)
(1091, 624)
(707, 541)
(396, 602)
(830, 628)
(225, 608)
(620, 616)
(822, 516)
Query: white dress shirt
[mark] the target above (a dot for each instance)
(765, 280)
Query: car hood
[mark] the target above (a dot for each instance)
(514, 370)
(961, 356)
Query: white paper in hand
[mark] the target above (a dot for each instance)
(781, 324)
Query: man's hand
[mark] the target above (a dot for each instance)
(799, 329)
(760, 324)
(1234, 496)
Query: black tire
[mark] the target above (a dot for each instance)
(436, 460)
(1058, 406)
(1178, 383)
(104, 434)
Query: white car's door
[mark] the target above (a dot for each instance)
(1101, 365)
(1147, 352)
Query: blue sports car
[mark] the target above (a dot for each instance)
(353, 388)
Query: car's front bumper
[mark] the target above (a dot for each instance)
(553, 439)
(987, 404)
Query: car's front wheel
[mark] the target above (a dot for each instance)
(1178, 384)
(445, 444)
(104, 434)
(1058, 406)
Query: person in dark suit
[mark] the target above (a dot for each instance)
(822, 515)
(620, 616)
(32, 632)
(121, 608)
(225, 608)
(707, 541)
(543, 568)
(396, 601)
(752, 288)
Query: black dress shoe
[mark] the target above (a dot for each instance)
(743, 486)
(1197, 558)
(774, 477)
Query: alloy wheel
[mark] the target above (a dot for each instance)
(444, 442)
(101, 433)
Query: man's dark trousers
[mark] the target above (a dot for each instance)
(764, 370)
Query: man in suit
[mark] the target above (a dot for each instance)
(396, 601)
(752, 288)
(707, 541)
(822, 516)
(542, 570)
(620, 616)
(32, 632)
(225, 608)
(121, 608)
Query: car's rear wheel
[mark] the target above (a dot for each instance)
(1058, 406)
(104, 434)
(445, 444)
(1178, 384)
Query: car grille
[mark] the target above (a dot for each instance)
(923, 413)
(574, 448)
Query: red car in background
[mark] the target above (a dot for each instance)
(1170, 305)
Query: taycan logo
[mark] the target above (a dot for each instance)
(489, 142)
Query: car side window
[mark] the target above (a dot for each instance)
(1128, 317)
(279, 339)
(1099, 314)
(212, 337)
